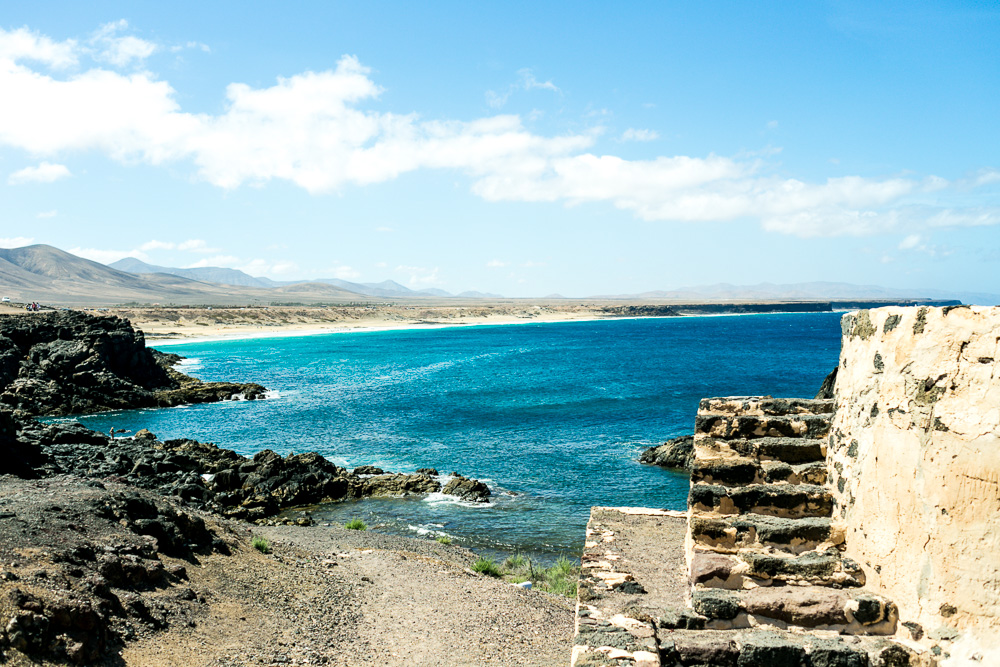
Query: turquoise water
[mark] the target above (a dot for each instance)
(551, 416)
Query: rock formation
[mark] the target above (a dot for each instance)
(69, 362)
(677, 453)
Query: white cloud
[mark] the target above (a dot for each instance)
(47, 214)
(157, 245)
(384, 230)
(911, 241)
(23, 44)
(632, 134)
(107, 256)
(16, 241)
(120, 50)
(226, 261)
(320, 131)
(496, 264)
(254, 267)
(195, 245)
(527, 81)
(421, 277)
(346, 273)
(45, 172)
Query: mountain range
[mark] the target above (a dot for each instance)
(222, 276)
(53, 276)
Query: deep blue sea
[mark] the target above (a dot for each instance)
(551, 416)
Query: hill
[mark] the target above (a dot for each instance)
(53, 276)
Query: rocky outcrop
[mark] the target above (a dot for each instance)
(69, 362)
(471, 490)
(207, 476)
(677, 453)
(96, 575)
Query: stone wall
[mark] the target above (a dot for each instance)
(914, 459)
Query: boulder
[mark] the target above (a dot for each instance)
(471, 490)
(677, 453)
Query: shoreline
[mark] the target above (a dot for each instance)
(254, 332)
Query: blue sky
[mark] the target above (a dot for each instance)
(517, 148)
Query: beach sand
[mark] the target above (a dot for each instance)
(167, 325)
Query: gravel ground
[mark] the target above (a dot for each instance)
(324, 595)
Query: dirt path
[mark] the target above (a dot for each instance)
(324, 595)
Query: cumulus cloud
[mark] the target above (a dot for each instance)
(496, 264)
(421, 277)
(16, 241)
(117, 49)
(105, 256)
(322, 132)
(47, 214)
(346, 273)
(24, 44)
(526, 81)
(633, 134)
(45, 172)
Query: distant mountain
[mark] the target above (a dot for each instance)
(53, 276)
(214, 274)
(210, 274)
(479, 295)
(812, 291)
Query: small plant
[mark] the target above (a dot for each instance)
(561, 577)
(356, 524)
(486, 565)
(261, 544)
(515, 563)
(444, 539)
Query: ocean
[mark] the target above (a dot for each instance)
(551, 416)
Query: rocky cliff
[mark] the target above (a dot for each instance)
(71, 363)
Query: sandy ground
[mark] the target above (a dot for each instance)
(188, 324)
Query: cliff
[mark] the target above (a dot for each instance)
(69, 362)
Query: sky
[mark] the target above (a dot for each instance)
(518, 148)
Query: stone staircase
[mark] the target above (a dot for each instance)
(767, 580)
(763, 547)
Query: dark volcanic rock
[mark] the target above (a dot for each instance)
(676, 453)
(828, 386)
(203, 474)
(70, 362)
(467, 489)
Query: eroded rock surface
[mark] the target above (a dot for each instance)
(69, 362)
(675, 453)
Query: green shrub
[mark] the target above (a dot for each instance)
(560, 578)
(356, 524)
(486, 565)
(261, 544)
(444, 539)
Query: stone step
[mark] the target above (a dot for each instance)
(762, 426)
(847, 611)
(785, 450)
(749, 568)
(775, 648)
(790, 501)
(732, 533)
(741, 470)
(765, 405)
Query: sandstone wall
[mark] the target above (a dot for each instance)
(914, 458)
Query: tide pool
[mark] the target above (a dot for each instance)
(551, 416)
